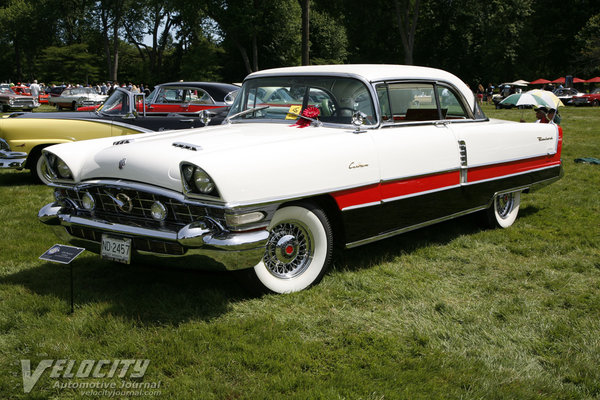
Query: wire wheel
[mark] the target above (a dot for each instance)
(504, 204)
(289, 250)
(298, 251)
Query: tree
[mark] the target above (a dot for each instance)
(407, 13)
(588, 40)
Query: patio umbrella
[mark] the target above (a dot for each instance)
(527, 99)
(559, 80)
(578, 80)
(548, 96)
(540, 81)
(594, 80)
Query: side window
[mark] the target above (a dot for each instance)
(407, 102)
(197, 96)
(452, 107)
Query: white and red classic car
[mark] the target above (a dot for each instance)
(307, 157)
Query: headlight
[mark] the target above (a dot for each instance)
(62, 169)
(202, 181)
(54, 168)
(196, 180)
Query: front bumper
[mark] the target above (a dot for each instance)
(232, 250)
(12, 159)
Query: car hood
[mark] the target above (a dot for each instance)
(249, 162)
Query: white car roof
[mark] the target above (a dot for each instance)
(374, 73)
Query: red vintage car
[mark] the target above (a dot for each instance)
(590, 99)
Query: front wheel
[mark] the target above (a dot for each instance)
(505, 209)
(298, 251)
(39, 170)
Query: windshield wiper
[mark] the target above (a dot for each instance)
(248, 111)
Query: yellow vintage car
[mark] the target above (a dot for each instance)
(24, 135)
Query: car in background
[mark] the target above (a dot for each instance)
(187, 97)
(589, 99)
(24, 135)
(566, 95)
(17, 98)
(190, 97)
(73, 98)
(308, 159)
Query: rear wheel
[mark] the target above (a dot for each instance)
(504, 211)
(299, 249)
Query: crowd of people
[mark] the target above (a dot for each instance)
(101, 88)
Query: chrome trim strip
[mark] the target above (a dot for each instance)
(511, 175)
(375, 203)
(411, 228)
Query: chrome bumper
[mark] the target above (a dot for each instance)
(12, 159)
(233, 250)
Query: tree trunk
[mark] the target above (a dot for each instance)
(407, 21)
(305, 4)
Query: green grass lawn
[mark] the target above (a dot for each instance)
(450, 311)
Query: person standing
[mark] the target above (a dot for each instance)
(34, 88)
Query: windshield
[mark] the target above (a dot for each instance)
(336, 99)
(116, 104)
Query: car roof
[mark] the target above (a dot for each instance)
(373, 73)
(216, 90)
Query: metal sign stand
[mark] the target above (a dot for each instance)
(62, 254)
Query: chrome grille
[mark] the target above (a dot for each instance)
(178, 213)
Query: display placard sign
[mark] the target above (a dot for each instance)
(61, 254)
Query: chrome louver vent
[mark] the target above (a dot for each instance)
(462, 146)
(463, 152)
(187, 146)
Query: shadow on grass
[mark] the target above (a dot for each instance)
(17, 178)
(438, 234)
(150, 294)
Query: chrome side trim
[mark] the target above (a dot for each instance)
(411, 228)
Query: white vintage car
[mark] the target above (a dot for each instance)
(308, 157)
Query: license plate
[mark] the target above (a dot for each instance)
(116, 249)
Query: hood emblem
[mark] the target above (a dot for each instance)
(122, 201)
(122, 163)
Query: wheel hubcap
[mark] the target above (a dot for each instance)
(504, 204)
(289, 250)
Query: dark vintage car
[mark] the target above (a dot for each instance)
(24, 135)
(186, 97)
(190, 97)
(589, 99)
(17, 98)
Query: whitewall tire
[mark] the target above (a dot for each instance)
(505, 209)
(40, 172)
(299, 249)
